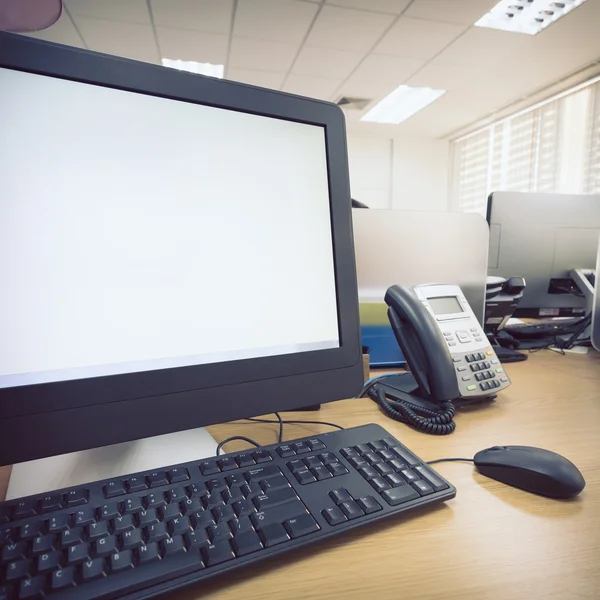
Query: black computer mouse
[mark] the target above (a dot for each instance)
(531, 469)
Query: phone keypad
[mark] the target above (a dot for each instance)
(484, 368)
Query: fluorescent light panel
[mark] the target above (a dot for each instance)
(526, 16)
(195, 67)
(401, 104)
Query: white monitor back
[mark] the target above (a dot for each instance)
(418, 247)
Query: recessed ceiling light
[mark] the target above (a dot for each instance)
(401, 104)
(195, 67)
(526, 16)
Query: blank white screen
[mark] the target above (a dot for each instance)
(138, 233)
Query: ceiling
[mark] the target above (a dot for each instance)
(365, 48)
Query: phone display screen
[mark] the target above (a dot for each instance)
(445, 305)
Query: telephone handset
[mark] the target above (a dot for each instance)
(448, 353)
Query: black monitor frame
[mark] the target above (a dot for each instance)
(55, 418)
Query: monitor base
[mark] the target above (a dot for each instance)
(55, 472)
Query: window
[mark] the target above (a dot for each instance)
(552, 147)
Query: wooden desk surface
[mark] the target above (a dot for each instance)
(492, 541)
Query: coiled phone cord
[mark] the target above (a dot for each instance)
(423, 419)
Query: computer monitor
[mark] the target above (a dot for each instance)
(542, 237)
(175, 251)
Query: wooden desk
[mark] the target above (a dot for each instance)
(492, 541)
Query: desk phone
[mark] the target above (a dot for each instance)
(443, 343)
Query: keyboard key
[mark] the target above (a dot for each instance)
(261, 456)
(296, 465)
(63, 578)
(363, 449)
(213, 500)
(244, 460)
(299, 526)
(390, 442)
(85, 516)
(133, 539)
(76, 554)
(237, 480)
(423, 487)
(368, 505)
(398, 495)
(313, 461)
(148, 553)
(339, 496)
(377, 445)
(304, 476)
(25, 508)
(372, 458)
(156, 532)
(227, 464)
(124, 523)
(233, 495)
(209, 467)
(246, 543)
(220, 532)
(387, 455)
(202, 519)
(407, 457)
(273, 534)
(31, 588)
(286, 451)
(136, 484)
(409, 475)
(351, 509)
(133, 505)
(216, 554)
(432, 479)
(173, 546)
(379, 484)
(262, 473)
(275, 483)
(98, 530)
(278, 514)
(397, 465)
(72, 536)
(383, 469)
(178, 475)
(43, 543)
(92, 569)
(243, 508)
(121, 561)
(316, 444)
(176, 494)
(191, 505)
(321, 473)
(275, 498)
(301, 447)
(30, 530)
(17, 570)
(334, 515)
(368, 473)
(223, 513)
(196, 540)
(168, 512)
(157, 478)
(337, 469)
(148, 517)
(114, 488)
(51, 560)
(110, 510)
(5, 513)
(7, 534)
(106, 545)
(240, 525)
(328, 458)
(154, 500)
(394, 479)
(14, 551)
(349, 453)
(51, 502)
(358, 462)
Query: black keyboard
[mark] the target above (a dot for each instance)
(544, 328)
(149, 533)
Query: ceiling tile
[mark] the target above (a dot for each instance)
(445, 77)
(268, 79)
(210, 16)
(389, 6)
(183, 44)
(130, 11)
(274, 20)
(417, 38)
(323, 62)
(382, 68)
(371, 91)
(461, 12)
(313, 87)
(348, 29)
(259, 54)
(482, 47)
(130, 40)
(62, 32)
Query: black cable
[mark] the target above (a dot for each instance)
(296, 422)
(438, 422)
(438, 460)
(236, 437)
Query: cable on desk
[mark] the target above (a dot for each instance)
(294, 421)
(236, 437)
(423, 419)
(438, 460)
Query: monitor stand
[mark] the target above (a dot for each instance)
(55, 472)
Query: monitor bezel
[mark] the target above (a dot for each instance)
(94, 408)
